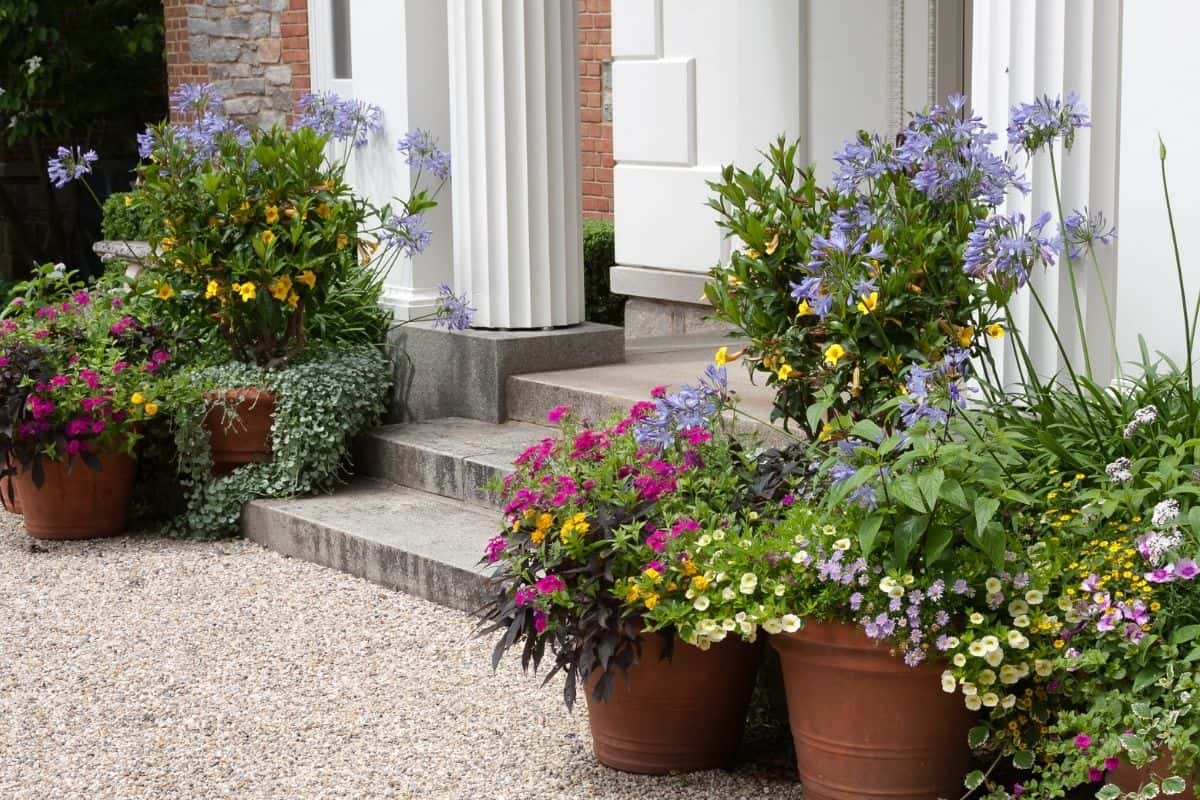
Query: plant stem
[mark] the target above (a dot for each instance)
(1087, 360)
(1189, 331)
(1066, 362)
(1108, 312)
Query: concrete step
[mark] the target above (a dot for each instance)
(451, 457)
(601, 392)
(402, 538)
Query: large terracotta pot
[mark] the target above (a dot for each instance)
(8, 496)
(1129, 779)
(865, 725)
(246, 439)
(75, 502)
(682, 715)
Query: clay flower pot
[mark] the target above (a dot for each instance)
(682, 715)
(8, 496)
(1130, 779)
(75, 502)
(246, 439)
(867, 725)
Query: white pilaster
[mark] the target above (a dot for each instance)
(1023, 49)
(514, 119)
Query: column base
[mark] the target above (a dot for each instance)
(442, 373)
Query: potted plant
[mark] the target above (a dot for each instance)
(588, 513)
(259, 235)
(77, 378)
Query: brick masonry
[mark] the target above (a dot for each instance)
(255, 53)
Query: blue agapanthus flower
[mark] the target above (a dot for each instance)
(453, 311)
(1001, 249)
(690, 408)
(1034, 125)
(196, 98)
(1082, 231)
(421, 152)
(339, 118)
(69, 164)
(407, 233)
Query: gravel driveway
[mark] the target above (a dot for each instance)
(140, 667)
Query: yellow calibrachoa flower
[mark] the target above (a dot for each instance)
(137, 398)
(342, 241)
(632, 594)
(700, 583)
(268, 237)
(651, 602)
(654, 575)
(308, 278)
(833, 354)
(785, 372)
(151, 409)
(212, 290)
(722, 356)
(282, 287)
(966, 335)
(272, 215)
(995, 330)
(803, 310)
(128, 201)
(164, 291)
(247, 290)
(544, 522)
(868, 303)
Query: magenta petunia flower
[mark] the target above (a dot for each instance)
(1162, 574)
(550, 584)
(524, 596)
(494, 548)
(1095, 774)
(557, 413)
(539, 620)
(1111, 763)
(1083, 741)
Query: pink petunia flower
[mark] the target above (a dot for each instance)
(1083, 741)
(557, 413)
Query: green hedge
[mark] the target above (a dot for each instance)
(598, 256)
(122, 222)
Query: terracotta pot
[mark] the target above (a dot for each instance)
(75, 502)
(8, 496)
(865, 725)
(682, 715)
(246, 439)
(1129, 779)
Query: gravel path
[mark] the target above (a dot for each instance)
(140, 667)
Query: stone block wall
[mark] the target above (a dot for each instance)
(595, 113)
(254, 51)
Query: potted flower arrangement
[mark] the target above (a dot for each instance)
(78, 378)
(260, 237)
(581, 568)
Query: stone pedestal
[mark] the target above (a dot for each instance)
(514, 121)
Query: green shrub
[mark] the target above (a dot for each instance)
(122, 220)
(598, 255)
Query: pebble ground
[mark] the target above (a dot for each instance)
(140, 667)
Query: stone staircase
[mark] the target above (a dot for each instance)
(418, 513)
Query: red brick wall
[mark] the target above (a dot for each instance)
(595, 49)
(180, 68)
(294, 33)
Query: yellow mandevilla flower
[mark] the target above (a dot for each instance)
(272, 215)
(868, 303)
(785, 372)
(833, 354)
(323, 210)
(282, 287)
(212, 290)
(308, 278)
(995, 330)
(247, 290)
(293, 300)
(164, 291)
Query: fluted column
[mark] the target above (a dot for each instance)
(1027, 48)
(514, 122)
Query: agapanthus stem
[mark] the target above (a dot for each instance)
(1189, 331)
(1066, 362)
(1066, 253)
(1108, 311)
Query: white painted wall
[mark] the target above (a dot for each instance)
(1160, 95)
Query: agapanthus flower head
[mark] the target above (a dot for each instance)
(421, 152)
(1082, 231)
(863, 159)
(146, 143)
(1034, 125)
(70, 163)
(1003, 250)
(454, 312)
(339, 118)
(407, 233)
(196, 99)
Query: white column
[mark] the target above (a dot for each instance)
(514, 120)
(1023, 49)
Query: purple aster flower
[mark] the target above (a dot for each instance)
(421, 152)
(339, 118)
(936, 590)
(856, 601)
(941, 618)
(960, 587)
(146, 143)
(943, 643)
(70, 164)
(1034, 125)
(453, 311)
